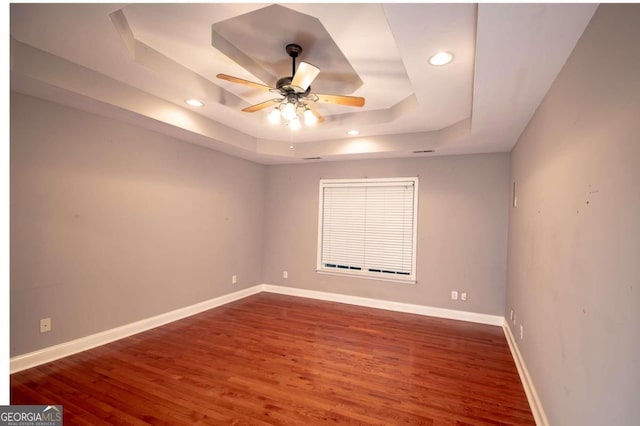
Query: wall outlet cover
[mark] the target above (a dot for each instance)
(45, 325)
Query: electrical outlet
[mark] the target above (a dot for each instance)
(285, 274)
(521, 331)
(454, 295)
(234, 279)
(511, 317)
(45, 325)
(463, 296)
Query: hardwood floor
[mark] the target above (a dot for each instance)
(273, 359)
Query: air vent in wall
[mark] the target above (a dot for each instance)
(312, 158)
(423, 151)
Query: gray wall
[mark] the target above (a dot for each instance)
(462, 229)
(111, 223)
(574, 238)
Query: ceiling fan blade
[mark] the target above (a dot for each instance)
(355, 101)
(242, 81)
(305, 74)
(262, 105)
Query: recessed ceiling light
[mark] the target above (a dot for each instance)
(441, 58)
(194, 102)
(353, 133)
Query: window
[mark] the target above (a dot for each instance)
(367, 227)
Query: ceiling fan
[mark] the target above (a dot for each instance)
(295, 93)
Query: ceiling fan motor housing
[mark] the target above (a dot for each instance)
(285, 88)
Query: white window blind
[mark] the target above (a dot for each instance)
(368, 227)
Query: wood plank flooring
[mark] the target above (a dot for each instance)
(279, 360)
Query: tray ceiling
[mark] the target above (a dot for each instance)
(139, 62)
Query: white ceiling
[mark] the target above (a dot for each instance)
(139, 62)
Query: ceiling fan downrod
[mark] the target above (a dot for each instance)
(293, 50)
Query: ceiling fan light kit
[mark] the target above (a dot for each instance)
(294, 124)
(288, 111)
(295, 92)
(309, 118)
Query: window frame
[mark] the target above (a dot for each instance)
(381, 276)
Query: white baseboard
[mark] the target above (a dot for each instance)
(52, 353)
(387, 305)
(529, 389)
(61, 350)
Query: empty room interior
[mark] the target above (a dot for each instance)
(351, 213)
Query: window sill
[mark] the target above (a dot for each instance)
(368, 276)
